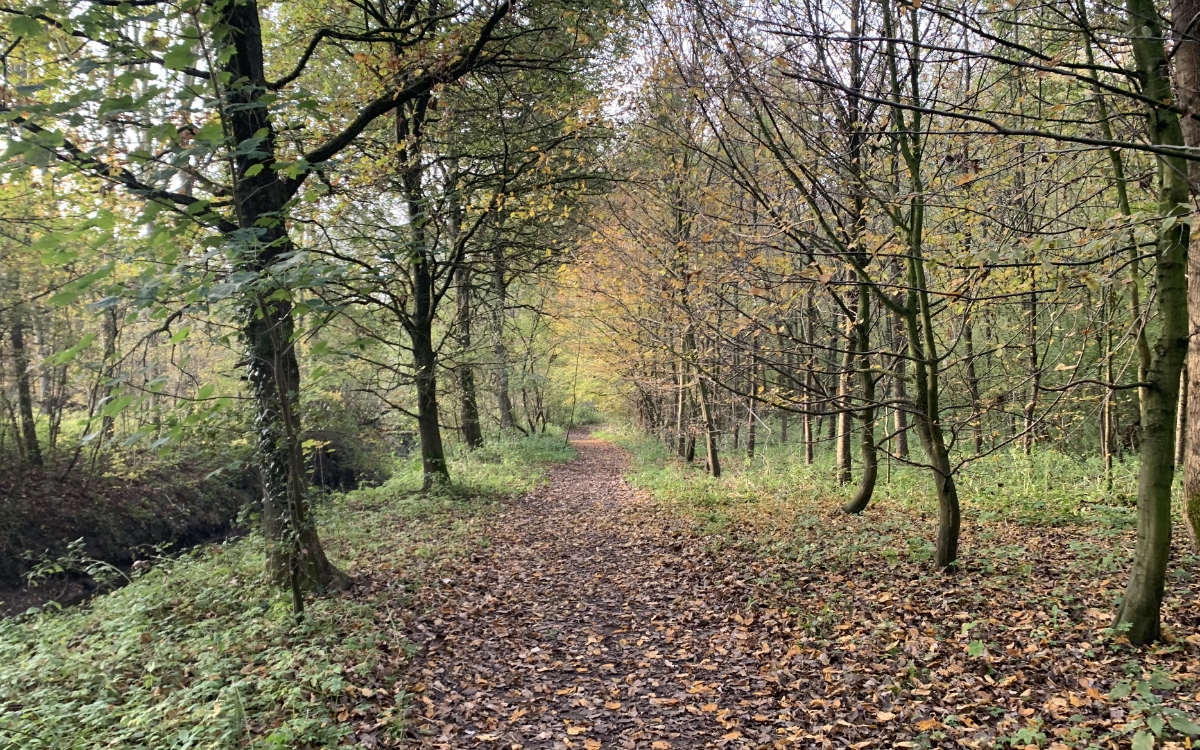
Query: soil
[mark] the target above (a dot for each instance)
(120, 519)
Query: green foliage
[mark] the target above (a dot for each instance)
(1046, 487)
(200, 653)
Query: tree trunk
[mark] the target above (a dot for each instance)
(870, 457)
(410, 122)
(29, 438)
(973, 385)
(472, 432)
(710, 432)
(1187, 84)
(1138, 615)
(110, 352)
(499, 350)
(844, 416)
(433, 455)
(900, 412)
(1035, 374)
(809, 437)
(706, 413)
(1181, 420)
(680, 407)
(751, 431)
(294, 553)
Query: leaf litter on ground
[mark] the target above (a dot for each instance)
(598, 617)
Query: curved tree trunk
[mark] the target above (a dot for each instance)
(870, 456)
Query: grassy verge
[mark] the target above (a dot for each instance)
(200, 653)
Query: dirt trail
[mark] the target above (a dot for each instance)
(593, 622)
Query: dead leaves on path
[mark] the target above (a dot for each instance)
(595, 621)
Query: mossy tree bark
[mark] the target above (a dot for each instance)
(1139, 612)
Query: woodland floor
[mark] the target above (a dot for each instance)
(593, 619)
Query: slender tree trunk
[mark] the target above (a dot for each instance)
(1107, 431)
(33, 452)
(681, 421)
(1181, 420)
(917, 314)
(901, 411)
(710, 431)
(1138, 615)
(499, 349)
(44, 393)
(472, 432)
(110, 352)
(844, 415)
(1187, 84)
(870, 456)
(973, 384)
(706, 414)
(1035, 373)
(810, 443)
(751, 431)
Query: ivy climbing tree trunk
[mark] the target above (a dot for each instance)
(294, 548)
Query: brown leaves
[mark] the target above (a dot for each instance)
(595, 620)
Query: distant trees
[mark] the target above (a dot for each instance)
(961, 221)
(222, 132)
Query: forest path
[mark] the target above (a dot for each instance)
(593, 621)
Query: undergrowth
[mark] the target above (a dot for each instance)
(1045, 488)
(1027, 519)
(200, 653)
(1044, 556)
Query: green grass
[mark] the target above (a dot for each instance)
(1045, 488)
(200, 653)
